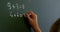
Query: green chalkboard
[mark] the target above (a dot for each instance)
(12, 16)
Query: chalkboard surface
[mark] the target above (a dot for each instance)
(12, 16)
(11, 11)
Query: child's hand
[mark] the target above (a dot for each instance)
(32, 18)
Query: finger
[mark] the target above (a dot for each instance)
(32, 14)
(27, 13)
(28, 16)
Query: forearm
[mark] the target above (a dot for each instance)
(36, 28)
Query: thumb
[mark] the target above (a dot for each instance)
(28, 17)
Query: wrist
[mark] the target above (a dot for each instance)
(36, 28)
